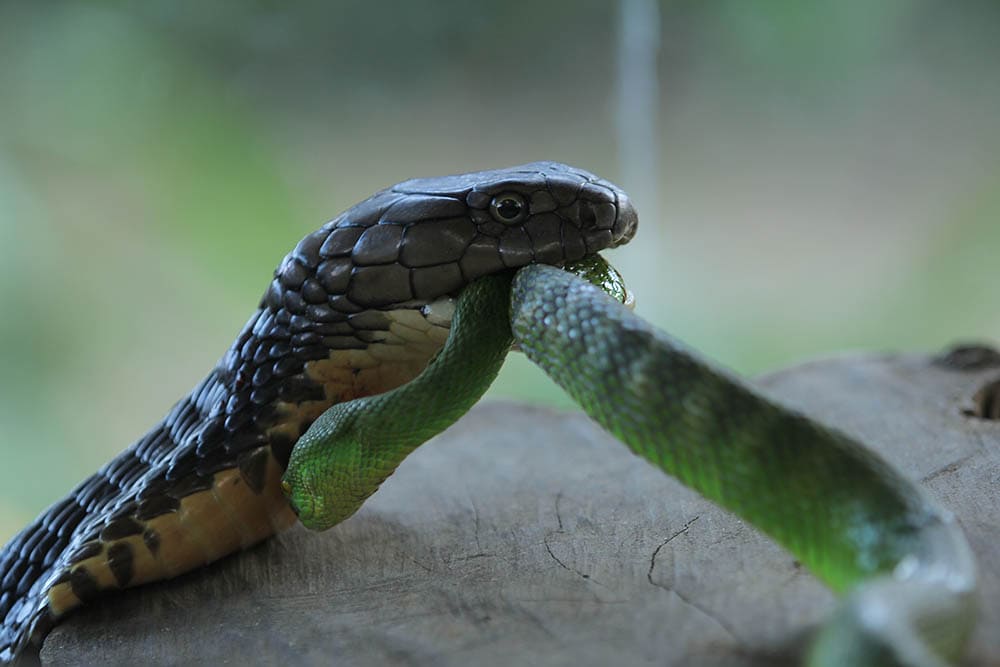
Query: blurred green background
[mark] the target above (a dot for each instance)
(812, 177)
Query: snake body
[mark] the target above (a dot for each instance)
(357, 308)
(903, 564)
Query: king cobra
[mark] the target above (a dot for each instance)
(357, 308)
(358, 318)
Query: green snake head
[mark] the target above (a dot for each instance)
(328, 488)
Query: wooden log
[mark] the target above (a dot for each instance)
(526, 536)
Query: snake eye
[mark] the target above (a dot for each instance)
(286, 488)
(508, 208)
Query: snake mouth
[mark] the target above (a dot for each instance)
(626, 222)
(287, 491)
(602, 211)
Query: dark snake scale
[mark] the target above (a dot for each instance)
(357, 308)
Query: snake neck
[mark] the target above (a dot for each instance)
(280, 377)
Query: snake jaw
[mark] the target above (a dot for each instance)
(301, 499)
(304, 505)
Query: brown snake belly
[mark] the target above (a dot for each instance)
(357, 308)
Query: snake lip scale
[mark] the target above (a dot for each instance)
(357, 308)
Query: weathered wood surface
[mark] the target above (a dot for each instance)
(524, 536)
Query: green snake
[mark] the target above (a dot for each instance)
(903, 565)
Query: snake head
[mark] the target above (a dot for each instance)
(427, 238)
(541, 212)
(316, 498)
(331, 471)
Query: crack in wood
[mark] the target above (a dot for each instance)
(475, 511)
(946, 469)
(656, 552)
(680, 596)
(562, 564)
(704, 611)
(558, 513)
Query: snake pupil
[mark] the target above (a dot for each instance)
(508, 208)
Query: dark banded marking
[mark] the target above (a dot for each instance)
(155, 506)
(120, 562)
(152, 540)
(85, 551)
(253, 468)
(300, 390)
(63, 578)
(83, 585)
(120, 528)
(281, 446)
(190, 485)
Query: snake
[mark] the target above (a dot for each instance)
(251, 451)
(357, 308)
(903, 565)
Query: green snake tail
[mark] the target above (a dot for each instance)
(846, 514)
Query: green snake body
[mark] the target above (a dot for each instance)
(902, 563)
